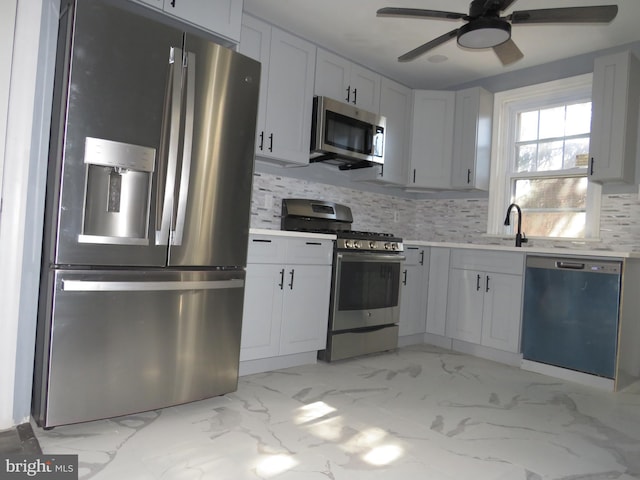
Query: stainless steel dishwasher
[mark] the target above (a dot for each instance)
(570, 313)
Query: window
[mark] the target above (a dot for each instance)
(541, 161)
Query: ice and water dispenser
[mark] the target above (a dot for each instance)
(117, 192)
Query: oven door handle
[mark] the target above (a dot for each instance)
(370, 257)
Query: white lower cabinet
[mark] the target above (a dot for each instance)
(438, 290)
(305, 308)
(286, 302)
(485, 298)
(413, 293)
(262, 314)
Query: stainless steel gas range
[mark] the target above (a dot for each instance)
(365, 285)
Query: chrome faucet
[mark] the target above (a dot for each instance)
(520, 237)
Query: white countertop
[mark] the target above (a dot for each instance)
(528, 249)
(285, 233)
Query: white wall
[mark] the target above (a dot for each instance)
(29, 49)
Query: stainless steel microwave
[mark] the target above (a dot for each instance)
(346, 135)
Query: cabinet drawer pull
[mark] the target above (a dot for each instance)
(313, 243)
(261, 240)
(291, 284)
(281, 284)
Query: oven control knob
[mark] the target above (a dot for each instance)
(394, 246)
(347, 243)
(356, 244)
(372, 244)
(387, 246)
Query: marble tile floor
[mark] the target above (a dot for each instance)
(415, 413)
(19, 441)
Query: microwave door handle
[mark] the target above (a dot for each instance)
(189, 69)
(168, 156)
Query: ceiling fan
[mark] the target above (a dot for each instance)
(485, 28)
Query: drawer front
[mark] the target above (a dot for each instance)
(414, 255)
(266, 249)
(488, 261)
(309, 251)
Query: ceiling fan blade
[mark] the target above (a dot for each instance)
(419, 13)
(416, 52)
(596, 14)
(508, 52)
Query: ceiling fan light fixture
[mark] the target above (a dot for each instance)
(484, 33)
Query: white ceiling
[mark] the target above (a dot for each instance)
(350, 28)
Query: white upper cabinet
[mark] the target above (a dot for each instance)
(339, 79)
(431, 139)
(472, 139)
(614, 118)
(222, 17)
(396, 106)
(286, 91)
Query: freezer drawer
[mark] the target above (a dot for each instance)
(124, 342)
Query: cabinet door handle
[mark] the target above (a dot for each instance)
(271, 142)
(173, 3)
(404, 280)
(281, 284)
(422, 257)
(478, 283)
(291, 284)
(355, 95)
(261, 147)
(348, 94)
(414, 175)
(487, 286)
(591, 168)
(468, 176)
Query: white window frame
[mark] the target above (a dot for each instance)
(503, 138)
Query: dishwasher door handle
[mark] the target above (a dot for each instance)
(570, 265)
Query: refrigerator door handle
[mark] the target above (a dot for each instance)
(183, 192)
(107, 286)
(169, 160)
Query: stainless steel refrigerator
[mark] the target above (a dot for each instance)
(147, 217)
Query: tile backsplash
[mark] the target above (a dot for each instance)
(439, 220)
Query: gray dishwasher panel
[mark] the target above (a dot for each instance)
(570, 313)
